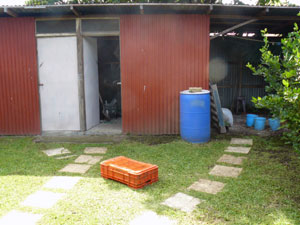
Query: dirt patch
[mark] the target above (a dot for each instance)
(81, 139)
(239, 127)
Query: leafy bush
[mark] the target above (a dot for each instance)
(282, 74)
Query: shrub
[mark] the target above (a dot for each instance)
(282, 74)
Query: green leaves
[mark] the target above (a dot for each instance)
(285, 83)
(282, 75)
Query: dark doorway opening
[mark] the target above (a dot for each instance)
(109, 80)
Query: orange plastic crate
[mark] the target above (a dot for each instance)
(128, 171)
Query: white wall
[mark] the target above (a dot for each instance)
(91, 83)
(57, 60)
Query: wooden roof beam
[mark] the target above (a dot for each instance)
(263, 12)
(241, 17)
(141, 9)
(282, 27)
(233, 28)
(210, 9)
(10, 12)
(75, 11)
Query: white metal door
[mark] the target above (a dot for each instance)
(58, 77)
(91, 82)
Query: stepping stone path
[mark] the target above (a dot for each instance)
(241, 141)
(88, 159)
(66, 157)
(95, 150)
(231, 159)
(15, 217)
(65, 183)
(208, 186)
(42, 199)
(56, 151)
(183, 202)
(47, 199)
(84, 162)
(225, 171)
(242, 150)
(188, 203)
(150, 218)
(75, 168)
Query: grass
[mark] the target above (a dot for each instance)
(267, 191)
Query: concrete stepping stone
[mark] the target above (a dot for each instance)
(225, 171)
(208, 186)
(231, 159)
(62, 182)
(15, 217)
(241, 141)
(66, 157)
(150, 218)
(88, 159)
(242, 150)
(83, 159)
(42, 199)
(183, 202)
(75, 168)
(56, 151)
(95, 160)
(95, 150)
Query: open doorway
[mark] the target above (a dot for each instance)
(103, 81)
(109, 78)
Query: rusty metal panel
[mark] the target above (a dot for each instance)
(161, 55)
(19, 99)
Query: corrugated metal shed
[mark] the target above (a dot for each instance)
(19, 103)
(161, 55)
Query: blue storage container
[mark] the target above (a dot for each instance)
(274, 124)
(195, 116)
(260, 123)
(250, 119)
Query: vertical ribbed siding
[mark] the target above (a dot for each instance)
(19, 99)
(161, 55)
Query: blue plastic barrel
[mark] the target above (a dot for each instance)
(195, 116)
(250, 120)
(260, 123)
(274, 124)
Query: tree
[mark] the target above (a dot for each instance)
(282, 74)
(272, 2)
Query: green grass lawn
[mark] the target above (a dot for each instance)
(267, 191)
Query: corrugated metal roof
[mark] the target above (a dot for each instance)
(221, 16)
(149, 8)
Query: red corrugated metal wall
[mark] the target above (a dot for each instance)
(19, 99)
(161, 55)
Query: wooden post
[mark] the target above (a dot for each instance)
(10, 12)
(218, 107)
(80, 68)
(240, 78)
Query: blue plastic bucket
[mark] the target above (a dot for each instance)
(274, 124)
(250, 120)
(260, 123)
